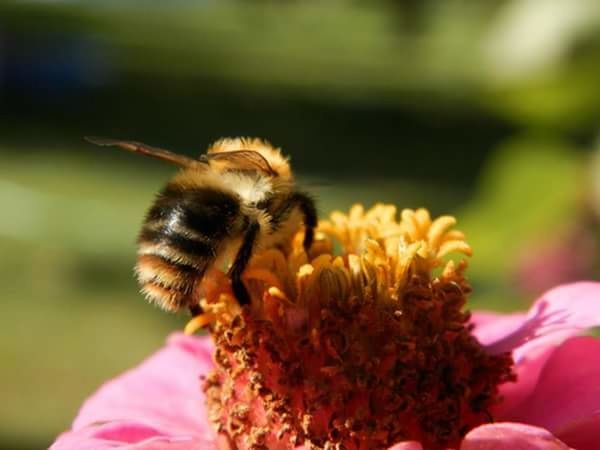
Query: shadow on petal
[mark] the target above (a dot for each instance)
(559, 314)
(491, 328)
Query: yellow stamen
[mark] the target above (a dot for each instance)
(269, 278)
(423, 218)
(438, 228)
(305, 270)
(198, 322)
(454, 246)
(276, 293)
(380, 255)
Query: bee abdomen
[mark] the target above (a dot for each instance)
(169, 284)
(179, 241)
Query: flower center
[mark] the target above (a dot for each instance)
(358, 351)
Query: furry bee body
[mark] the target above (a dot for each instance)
(240, 198)
(180, 238)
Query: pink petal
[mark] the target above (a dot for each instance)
(583, 434)
(513, 436)
(493, 327)
(566, 399)
(126, 436)
(161, 400)
(559, 314)
(513, 394)
(408, 445)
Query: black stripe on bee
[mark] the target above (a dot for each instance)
(206, 211)
(177, 241)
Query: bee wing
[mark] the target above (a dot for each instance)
(139, 147)
(243, 159)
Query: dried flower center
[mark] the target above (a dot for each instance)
(358, 351)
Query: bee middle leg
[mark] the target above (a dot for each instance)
(195, 310)
(241, 260)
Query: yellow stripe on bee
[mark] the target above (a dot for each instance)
(166, 252)
(154, 268)
(168, 299)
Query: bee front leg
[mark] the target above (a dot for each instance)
(309, 212)
(240, 263)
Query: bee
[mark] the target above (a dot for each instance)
(238, 197)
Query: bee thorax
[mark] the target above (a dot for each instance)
(251, 189)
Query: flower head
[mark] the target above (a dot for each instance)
(356, 351)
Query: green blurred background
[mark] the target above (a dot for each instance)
(486, 110)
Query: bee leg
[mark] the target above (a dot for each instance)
(241, 260)
(307, 206)
(195, 310)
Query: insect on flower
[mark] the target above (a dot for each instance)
(238, 197)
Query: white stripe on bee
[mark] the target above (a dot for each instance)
(163, 250)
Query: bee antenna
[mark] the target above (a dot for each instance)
(141, 148)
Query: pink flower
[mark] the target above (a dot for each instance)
(555, 403)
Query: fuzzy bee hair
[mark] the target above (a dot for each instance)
(237, 198)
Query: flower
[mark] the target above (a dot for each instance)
(366, 350)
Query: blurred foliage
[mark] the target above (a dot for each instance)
(527, 188)
(487, 110)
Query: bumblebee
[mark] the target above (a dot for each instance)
(238, 197)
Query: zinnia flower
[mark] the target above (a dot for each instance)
(371, 349)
